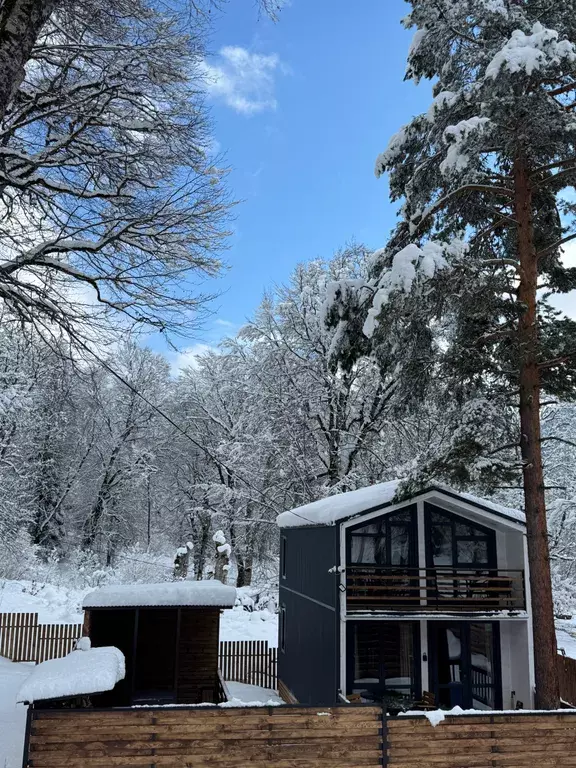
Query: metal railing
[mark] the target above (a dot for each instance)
(392, 588)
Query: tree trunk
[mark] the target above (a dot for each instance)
(545, 651)
(20, 24)
(244, 576)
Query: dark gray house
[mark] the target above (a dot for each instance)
(382, 600)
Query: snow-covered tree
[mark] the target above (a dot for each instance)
(485, 177)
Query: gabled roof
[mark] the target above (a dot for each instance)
(342, 506)
(174, 594)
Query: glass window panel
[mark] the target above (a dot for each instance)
(472, 552)
(399, 545)
(404, 516)
(442, 544)
(482, 665)
(438, 517)
(371, 529)
(464, 530)
(367, 654)
(363, 549)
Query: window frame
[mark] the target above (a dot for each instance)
(386, 520)
(452, 520)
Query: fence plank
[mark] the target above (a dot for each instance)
(249, 661)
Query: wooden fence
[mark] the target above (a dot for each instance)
(22, 638)
(567, 675)
(249, 661)
(295, 737)
(545, 740)
(259, 737)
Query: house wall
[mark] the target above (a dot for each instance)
(308, 647)
(197, 662)
(191, 661)
(514, 645)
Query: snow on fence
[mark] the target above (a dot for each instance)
(261, 737)
(23, 638)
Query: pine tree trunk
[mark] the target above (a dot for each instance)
(545, 652)
(20, 24)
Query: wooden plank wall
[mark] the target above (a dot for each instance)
(249, 661)
(22, 638)
(487, 741)
(567, 675)
(254, 737)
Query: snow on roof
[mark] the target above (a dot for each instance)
(80, 673)
(174, 594)
(332, 509)
(329, 510)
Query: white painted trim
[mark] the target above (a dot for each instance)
(523, 616)
(441, 500)
(531, 671)
(342, 611)
(424, 665)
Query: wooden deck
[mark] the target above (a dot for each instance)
(465, 590)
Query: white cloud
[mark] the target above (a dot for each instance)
(224, 323)
(188, 357)
(243, 80)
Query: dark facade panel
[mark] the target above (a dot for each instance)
(308, 656)
(307, 556)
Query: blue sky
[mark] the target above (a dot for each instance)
(301, 109)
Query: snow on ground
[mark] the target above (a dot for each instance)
(12, 715)
(238, 624)
(243, 695)
(52, 604)
(566, 636)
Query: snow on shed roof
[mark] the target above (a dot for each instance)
(333, 509)
(209, 593)
(80, 673)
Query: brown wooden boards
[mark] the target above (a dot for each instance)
(254, 737)
(484, 741)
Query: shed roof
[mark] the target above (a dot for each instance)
(80, 673)
(334, 509)
(174, 594)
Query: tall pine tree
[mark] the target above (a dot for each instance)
(485, 178)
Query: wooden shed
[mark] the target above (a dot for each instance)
(168, 634)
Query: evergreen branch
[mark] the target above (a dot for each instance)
(555, 245)
(558, 440)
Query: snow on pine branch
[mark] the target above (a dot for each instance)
(531, 53)
(410, 266)
(456, 136)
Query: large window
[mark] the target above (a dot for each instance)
(387, 540)
(455, 542)
(384, 662)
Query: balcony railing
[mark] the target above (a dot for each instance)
(474, 590)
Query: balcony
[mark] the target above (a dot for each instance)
(433, 590)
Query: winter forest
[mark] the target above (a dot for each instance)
(442, 356)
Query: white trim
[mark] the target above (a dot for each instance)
(443, 500)
(424, 665)
(474, 617)
(342, 611)
(528, 593)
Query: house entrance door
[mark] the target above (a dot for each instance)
(465, 664)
